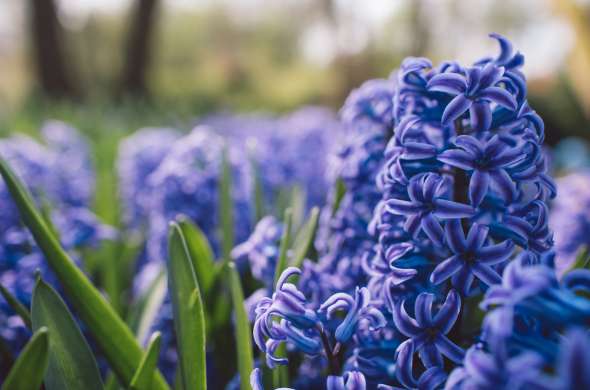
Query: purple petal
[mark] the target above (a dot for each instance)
(451, 83)
(431, 185)
(490, 76)
(418, 151)
(446, 269)
(506, 157)
(486, 274)
(404, 356)
(462, 280)
(412, 225)
(505, 185)
(403, 322)
(495, 254)
(455, 236)
(433, 378)
(470, 144)
(423, 309)
(455, 109)
(449, 349)
(478, 187)
(481, 365)
(447, 209)
(448, 313)
(457, 158)
(415, 191)
(402, 207)
(480, 116)
(499, 96)
(477, 236)
(432, 228)
(430, 356)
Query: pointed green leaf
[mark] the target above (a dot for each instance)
(242, 329)
(582, 260)
(151, 305)
(112, 335)
(259, 209)
(142, 380)
(305, 237)
(18, 307)
(284, 246)
(339, 192)
(71, 363)
(187, 306)
(201, 254)
(297, 205)
(226, 209)
(30, 367)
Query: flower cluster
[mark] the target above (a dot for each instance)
(464, 188)
(343, 239)
(570, 218)
(59, 175)
(139, 156)
(288, 318)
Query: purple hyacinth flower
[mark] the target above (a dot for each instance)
(256, 381)
(473, 91)
(351, 380)
(574, 361)
(471, 257)
(488, 162)
(496, 371)
(428, 332)
(427, 205)
(358, 308)
(432, 378)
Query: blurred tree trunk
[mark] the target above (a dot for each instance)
(54, 74)
(139, 49)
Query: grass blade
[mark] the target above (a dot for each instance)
(280, 375)
(242, 329)
(18, 307)
(226, 209)
(305, 237)
(284, 246)
(142, 380)
(201, 254)
(189, 317)
(339, 192)
(29, 369)
(112, 335)
(71, 362)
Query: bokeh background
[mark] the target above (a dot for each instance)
(109, 67)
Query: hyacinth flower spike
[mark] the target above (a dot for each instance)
(427, 205)
(473, 91)
(351, 380)
(488, 162)
(428, 332)
(471, 257)
(358, 309)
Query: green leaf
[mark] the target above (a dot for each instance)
(259, 209)
(305, 237)
(142, 380)
(242, 329)
(151, 304)
(187, 306)
(30, 367)
(284, 246)
(582, 260)
(113, 337)
(18, 307)
(226, 209)
(297, 204)
(201, 254)
(71, 363)
(339, 192)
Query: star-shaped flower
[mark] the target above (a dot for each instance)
(473, 91)
(471, 257)
(488, 162)
(428, 332)
(427, 205)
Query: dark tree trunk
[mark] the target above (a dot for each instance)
(55, 77)
(138, 49)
